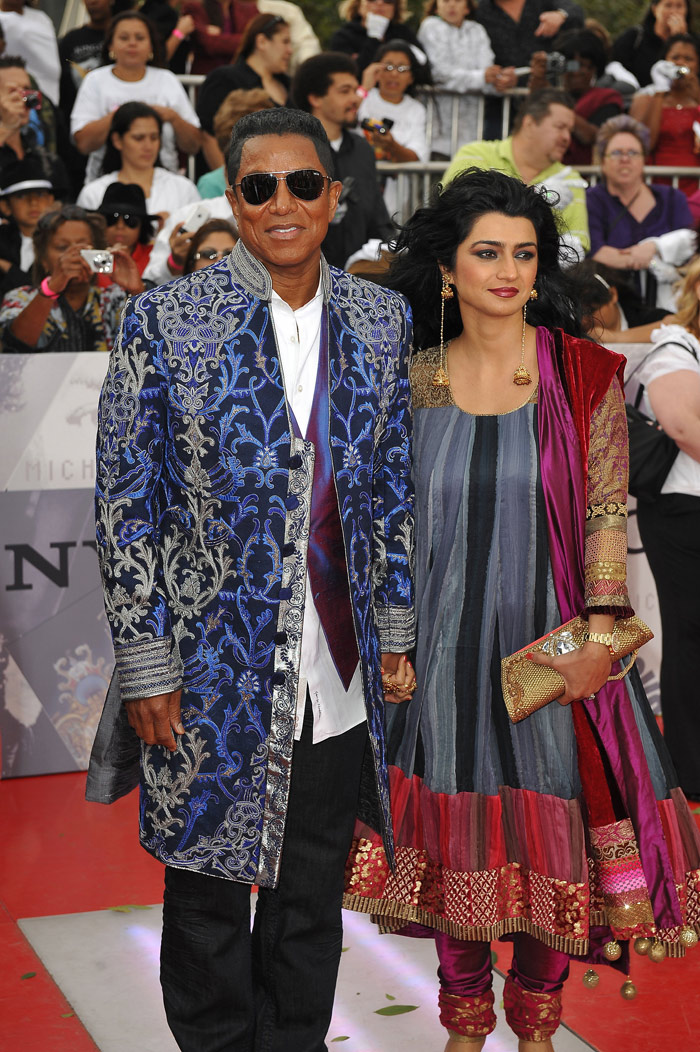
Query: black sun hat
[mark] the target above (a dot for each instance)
(126, 199)
(27, 174)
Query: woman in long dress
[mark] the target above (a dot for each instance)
(566, 832)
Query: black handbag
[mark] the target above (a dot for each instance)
(652, 452)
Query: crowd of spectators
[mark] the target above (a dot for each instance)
(102, 118)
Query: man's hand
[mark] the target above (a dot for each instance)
(157, 720)
(398, 675)
(13, 111)
(550, 23)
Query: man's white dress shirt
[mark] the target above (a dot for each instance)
(298, 334)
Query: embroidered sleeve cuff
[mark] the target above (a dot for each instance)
(396, 627)
(609, 516)
(147, 669)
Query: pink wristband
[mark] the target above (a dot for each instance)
(178, 34)
(46, 290)
(173, 264)
(362, 92)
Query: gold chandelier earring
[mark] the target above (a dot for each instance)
(441, 379)
(521, 376)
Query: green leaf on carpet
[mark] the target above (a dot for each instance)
(345, 1037)
(67, 1015)
(494, 958)
(395, 1009)
(28, 975)
(390, 997)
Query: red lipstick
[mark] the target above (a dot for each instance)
(506, 293)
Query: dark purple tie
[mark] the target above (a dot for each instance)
(327, 565)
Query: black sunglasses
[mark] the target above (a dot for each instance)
(112, 218)
(305, 183)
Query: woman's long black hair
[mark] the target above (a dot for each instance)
(433, 234)
(122, 119)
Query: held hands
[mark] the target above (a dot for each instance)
(584, 671)
(157, 720)
(398, 678)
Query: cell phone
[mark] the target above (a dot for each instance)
(32, 99)
(99, 260)
(197, 215)
(372, 124)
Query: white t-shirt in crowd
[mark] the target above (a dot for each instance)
(674, 355)
(408, 130)
(32, 36)
(101, 93)
(169, 191)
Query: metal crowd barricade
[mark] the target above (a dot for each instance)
(415, 180)
(428, 96)
(191, 81)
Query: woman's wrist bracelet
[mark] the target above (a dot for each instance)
(173, 263)
(46, 290)
(362, 92)
(178, 34)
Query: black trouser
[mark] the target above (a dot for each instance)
(670, 532)
(226, 990)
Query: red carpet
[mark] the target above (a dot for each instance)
(81, 857)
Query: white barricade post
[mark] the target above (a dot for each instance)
(55, 649)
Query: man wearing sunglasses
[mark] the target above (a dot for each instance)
(255, 539)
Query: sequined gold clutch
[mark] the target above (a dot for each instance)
(527, 686)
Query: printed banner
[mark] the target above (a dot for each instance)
(55, 651)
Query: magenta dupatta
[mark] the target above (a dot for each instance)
(610, 712)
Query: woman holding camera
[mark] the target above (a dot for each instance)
(670, 114)
(65, 310)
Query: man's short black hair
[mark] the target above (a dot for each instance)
(537, 104)
(280, 121)
(315, 76)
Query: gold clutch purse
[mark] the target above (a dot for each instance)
(527, 686)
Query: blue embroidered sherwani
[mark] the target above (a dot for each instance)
(203, 503)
